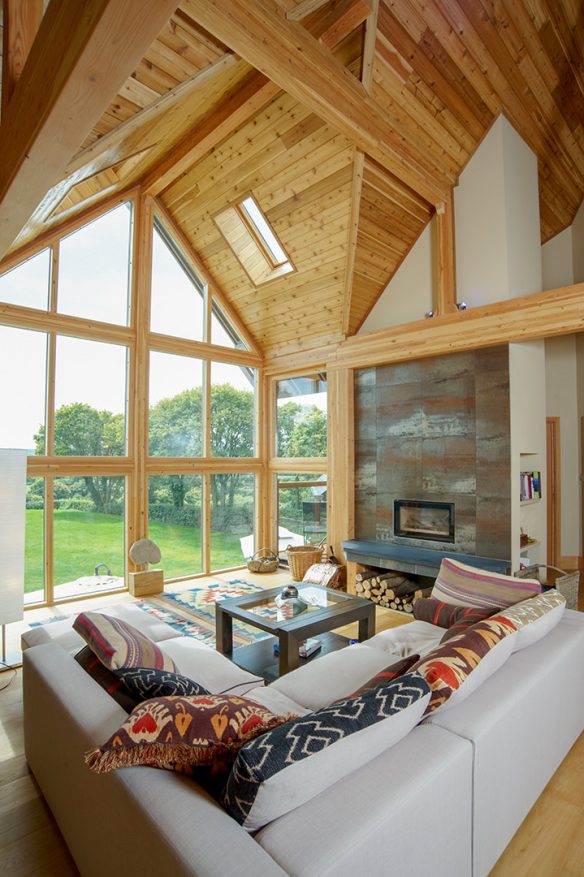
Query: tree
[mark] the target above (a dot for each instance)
(308, 438)
(82, 431)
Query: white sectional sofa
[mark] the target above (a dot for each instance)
(445, 800)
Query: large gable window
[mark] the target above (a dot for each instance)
(250, 236)
(178, 295)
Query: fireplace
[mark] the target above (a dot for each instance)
(418, 519)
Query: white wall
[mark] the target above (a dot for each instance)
(528, 437)
(562, 401)
(557, 261)
(410, 293)
(497, 220)
(522, 223)
(578, 245)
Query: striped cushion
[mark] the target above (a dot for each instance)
(462, 585)
(118, 645)
(455, 618)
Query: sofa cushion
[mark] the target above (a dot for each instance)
(331, 677)
(181, 733)
(463, 585)
(455, 618)
(118, 644)
(388, 674)
(288, 766)
(145, 682)
(107, 679)
(535, 618)
(208, 667)
(456, 668)
(415, 637)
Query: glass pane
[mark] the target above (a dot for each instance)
(23, 369)
(177, 304)
(90, 398)
(301, 417)
(176, 414)
(27, 285)
(34, 546)
(232, 519)
(301, 510)
(94, 269)
(260, 223)
(89, 551)
(174, 522)
(222, 332)
(232, 410)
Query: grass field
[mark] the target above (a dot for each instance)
(84, 539)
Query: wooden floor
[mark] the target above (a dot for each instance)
(550, 843)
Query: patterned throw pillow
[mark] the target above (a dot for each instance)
(536, 617)
(462, 585)
(182, 733)
(293, 763)
(394, 671)
(144, 683)
(455, 618)
(106, 679)
(118, 645)
(450, 666)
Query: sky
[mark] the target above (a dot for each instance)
(93, 283)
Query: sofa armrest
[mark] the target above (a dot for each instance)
(159, 821)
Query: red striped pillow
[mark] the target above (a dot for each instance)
(462, 585)
(455, 618)
(118, 645)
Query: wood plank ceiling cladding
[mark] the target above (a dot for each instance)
(200, 127)
(299, 171)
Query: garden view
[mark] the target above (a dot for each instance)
(89, 510)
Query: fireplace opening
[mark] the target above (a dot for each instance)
(418, 519)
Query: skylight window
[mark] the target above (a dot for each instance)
(248, 233)
(259, 222)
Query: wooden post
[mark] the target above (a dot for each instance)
(341, 458)
(446, 257)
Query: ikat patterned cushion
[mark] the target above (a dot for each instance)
(118, 645)
(456, 668)
(535, 618)
(455, 618)
(293, 763)
(462, 585)
(145, 682)
(183, 733)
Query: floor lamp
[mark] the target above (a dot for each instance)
(12, 524)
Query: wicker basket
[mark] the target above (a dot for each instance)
(567, 583)
(264, 560)
(300, 558)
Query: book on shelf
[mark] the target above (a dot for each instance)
(530, 485)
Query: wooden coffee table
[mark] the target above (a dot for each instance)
(325, 610)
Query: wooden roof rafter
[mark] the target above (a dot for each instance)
(75, 63)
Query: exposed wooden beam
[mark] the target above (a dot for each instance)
(353, 231)
(109, 149)
(255, 93)
(343, 18)
(445, 257)
(78, 62)
(240, 106)
(21, 21)
(306, 7)
(358, 167)
(290, 56)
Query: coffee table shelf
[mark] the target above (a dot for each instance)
(325, 611)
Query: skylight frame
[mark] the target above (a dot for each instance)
(249, 232)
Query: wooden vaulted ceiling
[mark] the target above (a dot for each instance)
(349, 121)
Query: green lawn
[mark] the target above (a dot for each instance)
(84, 539)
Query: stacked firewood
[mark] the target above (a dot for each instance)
(393, 590)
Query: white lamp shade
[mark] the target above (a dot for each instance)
(12, 524)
